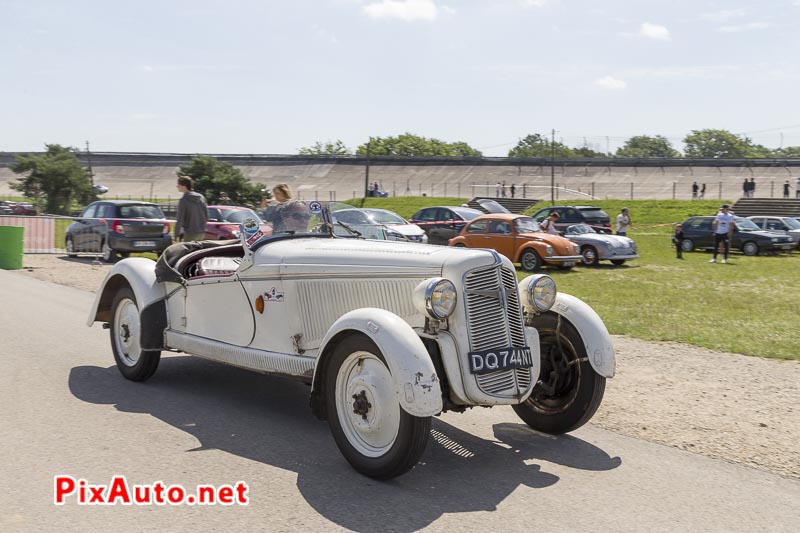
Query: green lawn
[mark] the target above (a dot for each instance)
(749, 306)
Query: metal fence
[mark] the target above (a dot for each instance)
(41, 234)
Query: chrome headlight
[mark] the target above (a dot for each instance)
(538, 292)
(436, 297)
(549, 250)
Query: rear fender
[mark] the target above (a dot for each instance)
(416, 383)
(592, 330)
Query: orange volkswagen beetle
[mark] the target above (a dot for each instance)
(521, 239)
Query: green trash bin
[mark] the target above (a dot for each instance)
(11, 247)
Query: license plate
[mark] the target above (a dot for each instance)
(568, 263)
(500, 359)
(144, 244)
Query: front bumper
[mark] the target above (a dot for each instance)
(561, 259)
(622, 257)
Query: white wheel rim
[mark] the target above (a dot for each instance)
(589, 256)
(373, 431)
(126, 332)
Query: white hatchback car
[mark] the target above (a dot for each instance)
(388, 334)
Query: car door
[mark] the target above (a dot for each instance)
(426, 219)
(475, 234)
(500, 237)
(82, 227)
(699, 230)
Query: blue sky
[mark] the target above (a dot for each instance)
(269, 77)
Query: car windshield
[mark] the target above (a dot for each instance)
(745, 224)
(526, 225)
(298, 218)
(140, 211)
(579, 229)
(792, 223)
(237, 216)
(384, 217)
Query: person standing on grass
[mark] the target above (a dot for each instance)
(623, 222)
(677, 238)
(190, 221)
(723, 229)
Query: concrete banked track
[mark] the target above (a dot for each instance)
(341, 178)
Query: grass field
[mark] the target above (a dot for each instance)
(749, 306)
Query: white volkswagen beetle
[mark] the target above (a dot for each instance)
(389, 334)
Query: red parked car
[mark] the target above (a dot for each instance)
(223, 221)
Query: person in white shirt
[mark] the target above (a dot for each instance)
(549, 224)
(623, 221)
(723, 229)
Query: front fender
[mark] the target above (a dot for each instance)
(416, 383)
(139, 273)
(591, 329)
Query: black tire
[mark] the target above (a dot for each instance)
(133, 362)
(566, 395)
(69, 246)
(108, 254)
(618, 262)
(565, 268)
(530, 261)
(590, 257)
(750, 248)
(124, 254)
(687, 245)
(460, 245)
(399, 439)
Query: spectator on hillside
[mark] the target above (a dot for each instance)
(797, 188)
(703, 191)
(190, 221)
(786, 187)
(513, 188)
(497, 190)
(752, 187)
(695, 187)
(746, 188)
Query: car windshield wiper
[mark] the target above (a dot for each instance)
(348, 228)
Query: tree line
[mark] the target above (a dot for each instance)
(707, 143)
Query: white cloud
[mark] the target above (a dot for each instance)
(608, 82)
(407, 10)
(654, 31)
(752, 26)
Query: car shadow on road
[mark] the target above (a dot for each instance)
(268, 420)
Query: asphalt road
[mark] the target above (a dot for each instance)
(67, 410)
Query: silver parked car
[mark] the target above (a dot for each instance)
(596, 247)
(787, 225)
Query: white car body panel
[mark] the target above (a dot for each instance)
(591, 329)
(139, 273)
(416, 382)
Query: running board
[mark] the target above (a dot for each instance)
(242, 357)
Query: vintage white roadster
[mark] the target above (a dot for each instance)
(387, 333)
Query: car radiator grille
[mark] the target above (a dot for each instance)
(494, 319)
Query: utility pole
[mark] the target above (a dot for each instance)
(89, 163)
(553, 167)
(366, 170)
